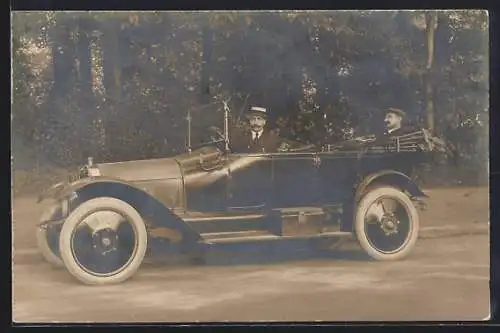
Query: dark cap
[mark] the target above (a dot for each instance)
(396, 111)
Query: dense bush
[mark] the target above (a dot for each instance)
(119, 85)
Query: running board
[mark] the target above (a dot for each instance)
(212, 224)
(234, 235)
(234, 217)
(257, 235)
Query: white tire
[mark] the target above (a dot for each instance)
(43, 243)
(76, 218)
(408, 226)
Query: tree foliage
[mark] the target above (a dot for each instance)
(119, 85)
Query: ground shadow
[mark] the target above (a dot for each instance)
(262, 253)
(241, 254)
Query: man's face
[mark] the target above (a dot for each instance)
(392, 121)
(257, 123)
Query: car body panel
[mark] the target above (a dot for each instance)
(167, 191)
(209, 190)
(142, 170)
(388, 176)
(250, 182)
(296, 180)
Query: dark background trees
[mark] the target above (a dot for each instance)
(119, 85)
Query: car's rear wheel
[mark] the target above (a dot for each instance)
(386, 224)
(103, 241)
(47, 238)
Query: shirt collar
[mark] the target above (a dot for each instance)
(259, 133)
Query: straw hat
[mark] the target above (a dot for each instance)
(257, 111)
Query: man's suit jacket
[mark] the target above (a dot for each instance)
(400, 131)
(243, 142)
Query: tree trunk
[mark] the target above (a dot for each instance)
(112, 72)
(429, 104)
(431, 25)
(206, 62)
(84, 58)
(87, 102)
(63, 56)
(111, 61)
(59, 120)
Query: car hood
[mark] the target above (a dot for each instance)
(141, 170)
(161, 168)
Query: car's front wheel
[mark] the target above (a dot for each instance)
(103, 241)
(386, 224)
(47, 238)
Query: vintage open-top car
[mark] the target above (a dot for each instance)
(104, 218)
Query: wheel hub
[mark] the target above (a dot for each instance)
(389, 224)
(105, 240)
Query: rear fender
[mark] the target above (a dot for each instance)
(160, 219)
(392, 178)
(380, 178)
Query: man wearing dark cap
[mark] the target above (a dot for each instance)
(394, 122)
(257, 139)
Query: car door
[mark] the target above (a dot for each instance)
(338, 174)
(250, 182)
(205, 176)
(296, 181)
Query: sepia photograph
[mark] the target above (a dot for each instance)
(250, 166)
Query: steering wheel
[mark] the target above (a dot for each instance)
(216, 136)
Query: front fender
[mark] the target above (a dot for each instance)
(149, 207)
(52, 192)
(390, 177)
(62, 190)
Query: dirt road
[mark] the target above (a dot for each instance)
(445, 279)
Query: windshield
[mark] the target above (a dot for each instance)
(205, 126)
(368, 126)
(199, 122)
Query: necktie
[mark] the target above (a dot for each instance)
(255, 136)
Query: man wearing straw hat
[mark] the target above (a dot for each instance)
(258, 139)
